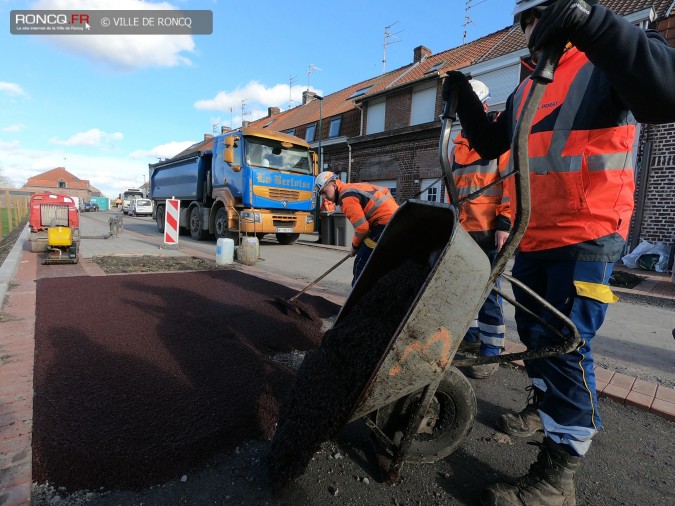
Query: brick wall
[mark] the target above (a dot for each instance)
(658, 222)
(397, 112)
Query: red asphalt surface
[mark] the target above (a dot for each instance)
(140, 377)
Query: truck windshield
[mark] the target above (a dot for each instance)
(270, 154)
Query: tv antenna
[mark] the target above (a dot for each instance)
(243, 110)
(388, 35)
(291, 80)
(311, 69)
(467, 19)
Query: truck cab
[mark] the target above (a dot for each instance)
(249, 181)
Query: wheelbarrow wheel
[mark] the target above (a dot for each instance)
(446, 423)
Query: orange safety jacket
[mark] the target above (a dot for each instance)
(481, 215)
(581, 166)
(365, 205)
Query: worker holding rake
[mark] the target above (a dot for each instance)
(368, 207)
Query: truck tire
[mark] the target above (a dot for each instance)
(287, 238)
(159, 217)
(449, 419)
(222, 232)
(196, 230)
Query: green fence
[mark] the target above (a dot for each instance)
(13, 212)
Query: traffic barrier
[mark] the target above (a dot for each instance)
(171, 221)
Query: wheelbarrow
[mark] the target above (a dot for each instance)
(418, 405)
(415, 401)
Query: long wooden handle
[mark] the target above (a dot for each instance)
(319, 278)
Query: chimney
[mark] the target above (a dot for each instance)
(307, 97)
(421, 53)
(271, 111)
(224, 129)
(208, 137)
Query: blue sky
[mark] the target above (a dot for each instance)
(105, 106)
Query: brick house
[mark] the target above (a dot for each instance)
(61, 182)
(386, 129)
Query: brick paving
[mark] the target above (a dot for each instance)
(17, 357)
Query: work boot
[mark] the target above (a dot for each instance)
(525, 423)
(550, 481)
(481, 371)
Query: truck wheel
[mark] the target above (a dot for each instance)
(287, 238)
(159, 216)
(222, 232)
(447, 422)
(196, 230)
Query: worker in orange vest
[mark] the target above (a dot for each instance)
(486, 218)
(368, 207)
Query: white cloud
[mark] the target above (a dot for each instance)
(167, 150)
(17, 127)
(12, 89)
(92, 137)
(107, 173)
(256, 96)
(122, 52)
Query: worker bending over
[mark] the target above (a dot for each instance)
(368, 207)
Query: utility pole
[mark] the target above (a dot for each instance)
(385, 44)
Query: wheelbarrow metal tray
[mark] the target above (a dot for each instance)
(430, 332)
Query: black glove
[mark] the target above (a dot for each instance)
(455, 82)
(560, 22)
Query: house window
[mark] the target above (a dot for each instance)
(335, 125)
(310, 133)
(435, 67)
(430, 190)
(423, 104)
(61, 183)
(375, 117)
(359, 92)
(290, 131)
(387, 183)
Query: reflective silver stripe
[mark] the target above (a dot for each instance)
(493, 341)
(490, 192)
(484, 168)
(360, 222)
(359, 235)
(377, 204)
(559, 163)
(492, 329)
(611, 161)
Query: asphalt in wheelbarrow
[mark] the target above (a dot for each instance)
(331, 378)
(139, 378)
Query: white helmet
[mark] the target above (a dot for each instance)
(480, 89)
(523, 5)
(323, 179)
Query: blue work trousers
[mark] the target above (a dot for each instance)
(568, 404)
(364, 252)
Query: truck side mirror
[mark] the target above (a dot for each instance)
(228, 155)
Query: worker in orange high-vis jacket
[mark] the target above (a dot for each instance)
(368, 207)
(485, 216)
(611, 74)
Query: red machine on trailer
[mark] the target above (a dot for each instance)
(55, 227)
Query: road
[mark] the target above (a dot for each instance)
(631, 461)
(636, 338)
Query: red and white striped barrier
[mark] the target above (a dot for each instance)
(171, 221)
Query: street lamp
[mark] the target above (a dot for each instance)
(320, 99)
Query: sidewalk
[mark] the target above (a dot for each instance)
(17, 327)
